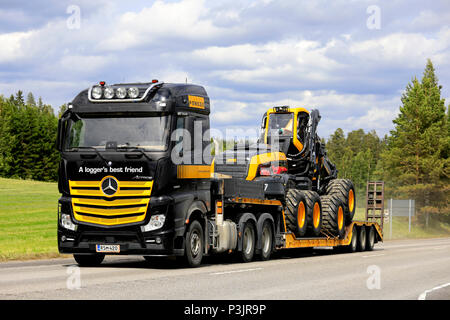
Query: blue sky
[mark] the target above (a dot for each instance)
(249, 55)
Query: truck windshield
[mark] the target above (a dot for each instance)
(147, 133)
(282, 123)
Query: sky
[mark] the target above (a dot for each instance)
(351, 60)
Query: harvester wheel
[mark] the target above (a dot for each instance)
(296, 212)
(314, 212)
(345, 191)
(333, 215)
(352, 247)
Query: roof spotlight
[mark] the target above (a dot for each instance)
(109, 93)
(133, 92)
(97, 92)
(121, 93)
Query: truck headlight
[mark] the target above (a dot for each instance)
(156, 222)
(66, 222)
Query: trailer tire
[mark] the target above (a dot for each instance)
(296, 212)
(248, 242)
(266, 241)
(194, 246)
(345, 191)
(333, 215)
(362, 238)
(89, 260)
(370, 238)
(314, 213)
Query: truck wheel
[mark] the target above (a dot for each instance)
(362, 239)
(193, 252)
(370, 239)
(295, 213)
(89, 260)
(248, 242)
(345, 191)
(333, 215)
(354, 241)
(266, 241)
(314, 212)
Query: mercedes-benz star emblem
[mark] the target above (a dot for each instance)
(110, 186)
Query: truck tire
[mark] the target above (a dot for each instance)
(266, 241)
(194, 245)
(314, 213)
(362, 239)
(248, 242)
(296, 212)
(345, 191)
(353, 246)
(89, 260)
(333, 215)
(370, 238)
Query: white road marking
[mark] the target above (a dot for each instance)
(441, 247)
(423, 295)
(236, 271)
(374, 255)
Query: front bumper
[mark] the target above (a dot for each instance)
(132, 242)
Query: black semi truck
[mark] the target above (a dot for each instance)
(137, 177)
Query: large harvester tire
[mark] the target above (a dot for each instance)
(296, 212)
(333, 215)
(345, 191)
(314, 213)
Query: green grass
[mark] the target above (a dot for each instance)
(400, 228)
(28, 211)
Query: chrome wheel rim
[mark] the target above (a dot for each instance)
(266, 240)
(195, 244)
(248, 241)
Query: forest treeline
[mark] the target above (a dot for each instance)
(413, 160)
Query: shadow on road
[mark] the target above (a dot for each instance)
(168, 263)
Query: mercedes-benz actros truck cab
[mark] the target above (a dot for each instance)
(130, 173)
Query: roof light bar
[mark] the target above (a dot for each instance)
(125, 93)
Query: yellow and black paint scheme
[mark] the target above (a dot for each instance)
(179, 191)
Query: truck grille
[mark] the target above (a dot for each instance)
(127, 205)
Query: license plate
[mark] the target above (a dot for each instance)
(115, 248)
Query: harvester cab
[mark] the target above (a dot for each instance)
(293, 131)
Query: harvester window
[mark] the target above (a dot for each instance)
(282, 123)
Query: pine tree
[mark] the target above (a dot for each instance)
(413, 161)
(30, 100)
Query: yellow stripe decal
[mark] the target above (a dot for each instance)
(193, 171)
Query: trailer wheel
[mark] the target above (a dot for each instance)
(370, 239)
(248, 242)
(296, 212)
(193, 253)
(352, 247)
(89, 260)
(333, 215)
(266, 241)
(314, 212)
(362, 239)
(345, 191)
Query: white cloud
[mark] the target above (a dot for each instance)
(13, 45)
(163, 22)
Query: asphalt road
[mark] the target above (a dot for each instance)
(406, 269)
